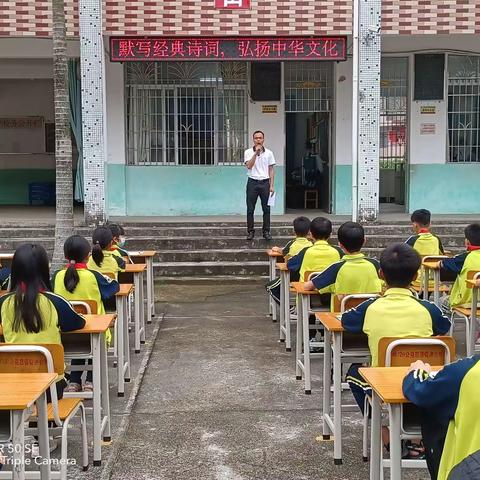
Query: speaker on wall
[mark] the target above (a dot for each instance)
(265, 81)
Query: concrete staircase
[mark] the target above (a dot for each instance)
(196, 252)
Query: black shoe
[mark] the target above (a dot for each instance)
(250, 236)
(267, 236)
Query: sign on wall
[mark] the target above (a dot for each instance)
(428, 110)
(428, 128)
(21, 122)
(269, 109)
(128, 49)
(232, 4)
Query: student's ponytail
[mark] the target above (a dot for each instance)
(97, 254)
(76, 250)
(71, 278)
(102, 239)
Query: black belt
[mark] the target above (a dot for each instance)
(255, 180)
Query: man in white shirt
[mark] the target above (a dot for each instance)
(259, 162)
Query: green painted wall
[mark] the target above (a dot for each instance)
(446, 188)
(183, 190)
(14, 184)
(342, 204)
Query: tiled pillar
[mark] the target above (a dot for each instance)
(93, 108)
(369, 109)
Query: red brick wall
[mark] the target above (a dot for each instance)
(269, 17)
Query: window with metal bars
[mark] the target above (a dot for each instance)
(464, 108)
(186, 113)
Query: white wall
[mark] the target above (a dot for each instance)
(34, 48)
(342, 81)
(114, 92)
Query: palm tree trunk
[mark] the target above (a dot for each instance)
(63, 141)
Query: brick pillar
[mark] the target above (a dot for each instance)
(369, 109)
(93, 103)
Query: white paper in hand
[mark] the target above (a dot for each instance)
(271, 199)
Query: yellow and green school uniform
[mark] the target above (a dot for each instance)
(112, 263)
(57, 315)
(451, 402)
(315, 258)
(295, 246)
(354, 273)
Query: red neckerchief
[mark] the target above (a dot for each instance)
(472, 248)
(113, 248)
(23, 288)
(424, 230)
(78, 266)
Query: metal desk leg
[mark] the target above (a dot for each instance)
(106, 428)
(97, 399)
(18, 441)
(43, 440)
(436, 287)
(126, 339)
(376, 439)
(138, 299)
(142, 310)
(426, 282)
(395, 442)
(150, 292)
(120, 346)
(288, 332)
(327, 382)
(271, 270)
(473, 321)
(299, 339)
(282, 306)
(337, 398)
(306, 344)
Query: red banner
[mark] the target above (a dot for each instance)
(124, 49)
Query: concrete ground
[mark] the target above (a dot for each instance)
(219, 400)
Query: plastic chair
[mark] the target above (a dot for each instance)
(85, 307)
(48, 358)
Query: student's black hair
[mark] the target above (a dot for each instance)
(76, 250)
(301, 226)
(102, 237)
(321, 228)
(30, 275)
(422, 217)
(352, 236)
(258, 131)
(399, 263)
(117, 230)
(472, 234)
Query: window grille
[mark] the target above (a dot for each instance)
(393, 112)
(186, 113)
(463, 108)
(308, 86)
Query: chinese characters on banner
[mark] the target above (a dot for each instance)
(232, 4)
(247, 48)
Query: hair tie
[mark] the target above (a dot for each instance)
(72, 262)
(97, 243)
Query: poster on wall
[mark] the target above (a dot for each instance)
(428, 128)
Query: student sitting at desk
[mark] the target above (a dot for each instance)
(354, 273)
(118, 234)
(424, 241)
(461, 295)
(103, 259)
(31, 313)
(76, 282)
(450, 404)
(397, 314)
(301, 228)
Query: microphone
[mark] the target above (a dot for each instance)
(258, 153)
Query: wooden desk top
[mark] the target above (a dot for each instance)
(19, 391)
(3, 292)
(271, 253)
(386, 381)
(135, 267)
(125, 290)
(330, 321)
(143, 253)
(298, 287)
(430, 264)
(282, 266)
(96, 323)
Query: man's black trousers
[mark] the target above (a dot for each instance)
(255, 189)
